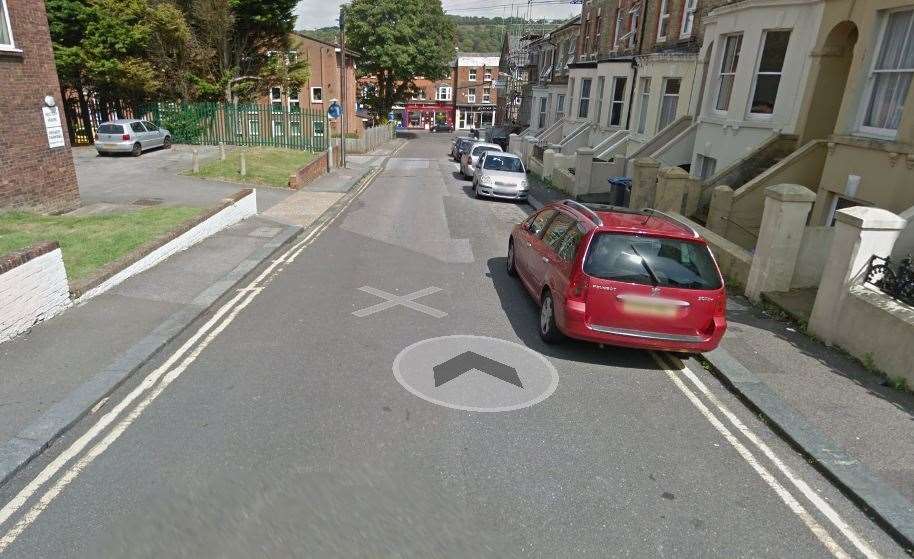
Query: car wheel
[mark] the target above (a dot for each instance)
(512, 271)
(549, 331)
(476, 191)
(167, 143)
(137, 150)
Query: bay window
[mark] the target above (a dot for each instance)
(644, 100)
(728, 64)
(890, 77)
(669, 103)
(584, 102)
(768, 76)
(618, 102)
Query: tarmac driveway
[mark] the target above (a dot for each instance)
(154, 178)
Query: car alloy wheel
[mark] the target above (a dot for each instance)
(137, 150)
(167, 143)
(549, 332)
(512, 271)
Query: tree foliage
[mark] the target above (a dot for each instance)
(134, 51)
(398, 40)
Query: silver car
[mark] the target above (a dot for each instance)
(130, 135)
(500, 175)
(471, 156)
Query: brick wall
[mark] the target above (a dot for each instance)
(33, 287)
(307, 174)
(32, 176)
(464, 84)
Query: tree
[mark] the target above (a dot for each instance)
(398, 40)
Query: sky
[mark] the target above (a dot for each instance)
(323, 13)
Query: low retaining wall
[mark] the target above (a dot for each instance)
(33, 288)
(240, 206)
(310, 172)
(878, 330)
(733, 260)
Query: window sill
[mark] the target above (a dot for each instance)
(10, 52)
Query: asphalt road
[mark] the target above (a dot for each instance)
(277, 427)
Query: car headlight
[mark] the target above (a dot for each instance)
(486, 180)
(524, 183)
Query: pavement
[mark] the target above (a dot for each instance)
(155, 178)
(289, 421)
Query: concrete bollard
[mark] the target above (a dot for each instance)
(244, 165)
(196, 161)
(221, 151)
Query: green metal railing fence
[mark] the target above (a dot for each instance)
(243, 124)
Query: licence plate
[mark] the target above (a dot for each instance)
(648, 309)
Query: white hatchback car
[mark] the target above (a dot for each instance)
(471, 157)
(500, 175)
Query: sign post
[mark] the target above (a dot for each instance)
(334, 111)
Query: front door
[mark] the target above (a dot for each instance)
(523, 250)
(544, 259)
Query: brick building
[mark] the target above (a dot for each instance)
(433, 102)
(324, 85)
(474, 89)
(33, 174)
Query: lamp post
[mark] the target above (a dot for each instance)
(343, 99)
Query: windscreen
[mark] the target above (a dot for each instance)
(479, 150)
(503, 163)
(652, 261)
(110, 129)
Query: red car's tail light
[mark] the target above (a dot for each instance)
(577, 287)
(125, 137)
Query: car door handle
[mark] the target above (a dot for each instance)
(546, 260)
(529, 244)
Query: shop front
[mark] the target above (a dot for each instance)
(475, 116)
(423, 115)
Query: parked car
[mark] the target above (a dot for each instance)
(472, 154)
(460, 145)
(500, 175)
(621, 277)
(441, 127)
(131, 136)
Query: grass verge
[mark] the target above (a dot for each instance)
(266, 166)
(90, 242)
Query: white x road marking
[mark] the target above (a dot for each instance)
(392, 300)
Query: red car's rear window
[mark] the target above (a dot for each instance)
(652, 261)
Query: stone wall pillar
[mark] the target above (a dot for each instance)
(672, 190)
(720, 208)
(860, 232)
(548, 162)
(644, 182)
(583, 170)
(783, 223)
(514, 144)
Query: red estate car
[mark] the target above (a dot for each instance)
(635, 278)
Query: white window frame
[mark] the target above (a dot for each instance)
(582, 99)
(487, 75)
(443, 93)
(11, 46)
(560, 106)
(869, 90)
(757, 73)
(601, 89)
(313, 100)
(663, 97)
(687, 25)
(541, 123)
(620, 20)
(633, 17)
(644, 98)
(487, 95)
(471, 97)
(620, 101)
(294, 99)
(720, 71)
(664, 17)
(275, 98)
(471, 75)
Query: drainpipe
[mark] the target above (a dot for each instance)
(631, 93)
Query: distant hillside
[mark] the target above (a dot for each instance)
(474, 34)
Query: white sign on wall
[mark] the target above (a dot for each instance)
(53, 127)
